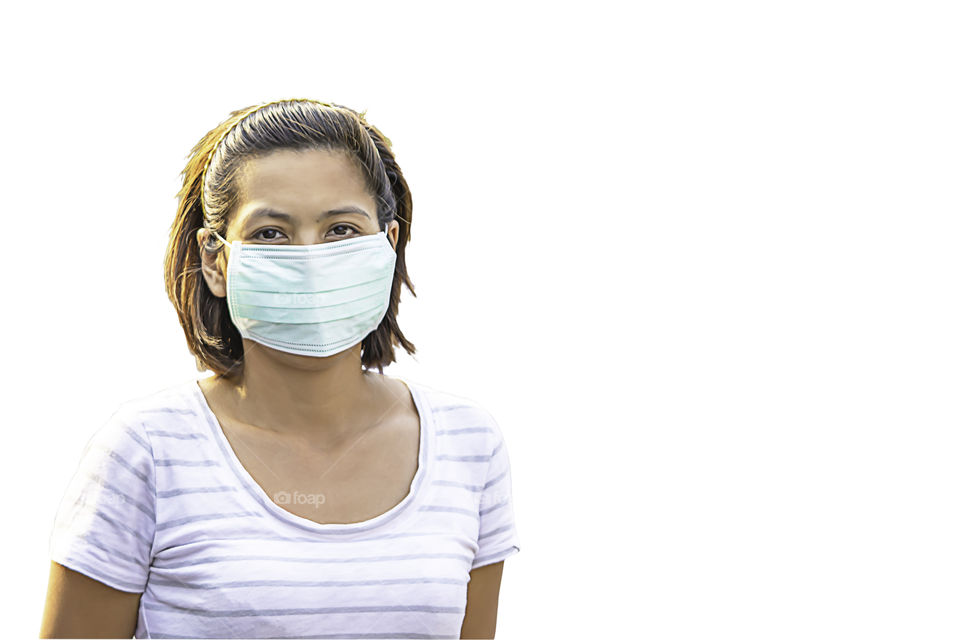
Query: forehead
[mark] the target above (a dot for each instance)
(288, 177)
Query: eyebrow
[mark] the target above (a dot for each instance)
(267, 212)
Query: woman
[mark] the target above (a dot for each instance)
(296, 492)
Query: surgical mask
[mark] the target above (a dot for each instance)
(312, 300)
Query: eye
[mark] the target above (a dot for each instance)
(342, 226)
(275, 231)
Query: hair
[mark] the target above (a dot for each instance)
(210, 196)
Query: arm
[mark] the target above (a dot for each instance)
(80, 607)
(483, 594)
(101, 544)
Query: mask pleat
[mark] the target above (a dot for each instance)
(318, 334)
(309, 299)
(325, 312)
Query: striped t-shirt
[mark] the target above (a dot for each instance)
(161, 505)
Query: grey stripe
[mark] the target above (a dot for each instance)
(123, 527)
(208, 516)
(484, 512)
(325, 541)
(178, 436)
(464, 458)
(387, 536)
(453, 407)
(340, 636)
(98, 571)
(92, 540)
(248, 558)
(453, 432)
(126, 465)
(466, 512)
(130, 500)
(505, 527)
(494, 481)
(496, 449)
(170, 462)
(179, 492)
(140, 441)
(243, 613)
(182, 412)
(462, 485)
(304, 583)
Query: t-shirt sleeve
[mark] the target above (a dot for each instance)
(104, 526)
(497, 538)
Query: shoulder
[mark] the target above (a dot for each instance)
(170, 399)
(130, 431)
(462, 421)
(448, 404)
(120, 439)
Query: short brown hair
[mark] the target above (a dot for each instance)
(290, 124)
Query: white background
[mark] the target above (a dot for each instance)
(699, 259)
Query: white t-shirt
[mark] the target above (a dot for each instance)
(161, 505)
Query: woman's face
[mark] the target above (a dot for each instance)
(297, 197)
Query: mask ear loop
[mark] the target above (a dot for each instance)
(225, 243)
(386, 236)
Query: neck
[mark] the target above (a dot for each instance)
(325, 400)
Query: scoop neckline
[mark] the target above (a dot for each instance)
(253, 488)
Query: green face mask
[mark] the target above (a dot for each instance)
(313, 300)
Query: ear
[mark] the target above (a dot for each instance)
(210, 264)
(393, 233)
